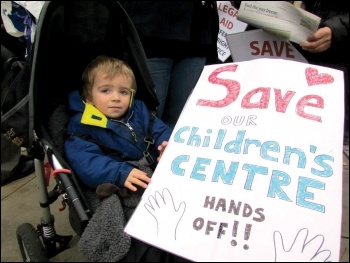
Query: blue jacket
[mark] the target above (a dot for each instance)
(89, 161)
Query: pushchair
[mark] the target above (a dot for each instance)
(69, 35)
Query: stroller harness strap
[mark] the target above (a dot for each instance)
(147, 159)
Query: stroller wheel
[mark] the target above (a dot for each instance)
(30, 244)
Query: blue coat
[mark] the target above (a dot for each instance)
(89, 161)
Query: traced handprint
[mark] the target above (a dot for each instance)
(162, 208)
(301, 250)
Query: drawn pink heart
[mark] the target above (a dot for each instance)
(313, 78)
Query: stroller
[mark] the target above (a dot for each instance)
(69, 35)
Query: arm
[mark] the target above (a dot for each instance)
(95, 168)
(92, 166)
(340, 27)
(332, 33)
(161, 134)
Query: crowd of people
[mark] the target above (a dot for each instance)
(179, 38)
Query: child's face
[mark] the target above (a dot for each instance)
(111, 96)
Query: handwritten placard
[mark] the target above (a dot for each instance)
(253, 169)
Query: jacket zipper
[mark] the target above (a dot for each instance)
(132, 131)
(134, 136)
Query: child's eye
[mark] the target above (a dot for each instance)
(105, 90)
(125, 92)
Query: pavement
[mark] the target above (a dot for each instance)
(20, 204)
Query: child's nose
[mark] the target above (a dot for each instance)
(115, 96)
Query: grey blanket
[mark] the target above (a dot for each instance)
(104, 239)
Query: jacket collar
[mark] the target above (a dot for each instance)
(92, 116)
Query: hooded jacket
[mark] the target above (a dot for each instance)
(125, 138)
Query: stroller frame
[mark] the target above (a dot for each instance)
(69, 35)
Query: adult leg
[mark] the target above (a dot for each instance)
(184, 77)
(160, 69)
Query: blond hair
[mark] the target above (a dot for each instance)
(108, 65)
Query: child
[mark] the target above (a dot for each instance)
(110, 130)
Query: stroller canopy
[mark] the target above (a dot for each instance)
(69, 35)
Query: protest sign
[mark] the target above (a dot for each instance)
(228, 24)
(253, 168)
(257, 43)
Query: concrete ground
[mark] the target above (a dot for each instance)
(19, 204)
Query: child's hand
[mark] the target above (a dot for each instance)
(136, 177)
(161, 149)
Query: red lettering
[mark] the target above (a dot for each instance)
(278, 50)
(255, 48)
(219, 7)
(225, 8)
(289, 50)
(232, 13)
(222, 22)
(226, 23)
(282, 103)
(305, 101)
(229, 10)
(266, 48)
(275, 48)
(233, 87)
(261, 104)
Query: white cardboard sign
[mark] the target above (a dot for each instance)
(253, 169)
(228, 24)
(257, 43)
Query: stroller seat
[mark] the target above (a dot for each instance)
(70, 34)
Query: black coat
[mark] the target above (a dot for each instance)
(175, 28)
(335, 16)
